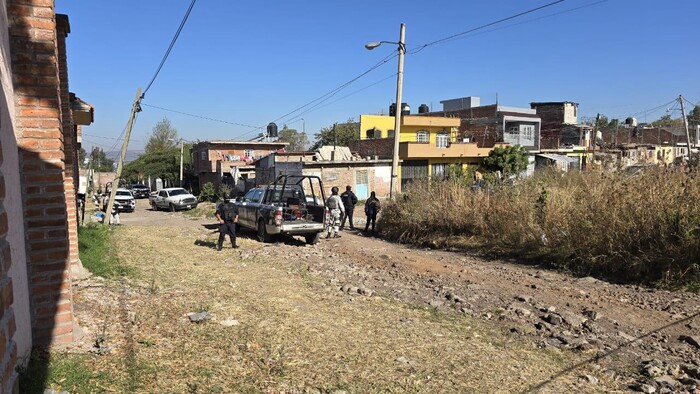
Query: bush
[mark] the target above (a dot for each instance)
(640, 228)
(208, 193)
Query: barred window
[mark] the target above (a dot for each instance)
(423, 136)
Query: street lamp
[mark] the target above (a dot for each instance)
(182, 149)
(394, 187)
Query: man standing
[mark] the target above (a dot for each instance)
(349, 200)
(335, 208)
(227, 214)
(372, 208)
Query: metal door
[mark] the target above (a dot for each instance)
(361, 184)
(413, 170)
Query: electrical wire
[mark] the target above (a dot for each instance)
(170, 47)
(454, 36)
(108, 138)
(199, 116)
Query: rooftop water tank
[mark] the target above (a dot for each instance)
(423, 109)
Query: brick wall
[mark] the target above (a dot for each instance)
(383, 148)
(46, 188)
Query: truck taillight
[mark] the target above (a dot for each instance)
(278, 217)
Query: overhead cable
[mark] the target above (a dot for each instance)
(170, 47)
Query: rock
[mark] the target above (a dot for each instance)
(366, 292)
(435, 303)
(230, 323)
(402, 359)
(591, 314)
(199, 317)
(457, 299)
(667, 381)
(653, 371)
(692, 340)
(585, 346)
(345, 288)
(449, 295)
(572, 319)
(523, 298)
(551, 318)
(644, 388)
(522, 312)
(354, 289)
(589, 379)
(692, 371)
(626, 337)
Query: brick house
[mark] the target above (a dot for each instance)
(560, 126)
(219, 162)
(39, 141)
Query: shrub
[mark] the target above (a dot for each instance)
(639, 228)
(208, 193)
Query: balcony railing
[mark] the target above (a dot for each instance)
(409, 150)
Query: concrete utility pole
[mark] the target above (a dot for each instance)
(685, 125)
(136, 107)
(182, 147)
(394, 190)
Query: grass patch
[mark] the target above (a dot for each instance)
(203, 210)
(97, 251)
(641, 229)
(59, 372)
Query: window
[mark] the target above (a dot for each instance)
(249, 153)
(204, 155)
(440, 170)
(442, 140)
(390, 134)
(527, 131)
(373, 133)
(423, 136)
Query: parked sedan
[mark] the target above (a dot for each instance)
(172, 199)
(140, 191)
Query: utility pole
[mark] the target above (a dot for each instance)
(685, 125)
(394, 186)
(182, 147)
(335, 139)
(136, 107)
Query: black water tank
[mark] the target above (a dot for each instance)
(272, 130)
(423, 109)
(405, 109)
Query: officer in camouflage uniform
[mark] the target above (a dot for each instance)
(334, 210)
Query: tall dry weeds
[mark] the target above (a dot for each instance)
(641, 228)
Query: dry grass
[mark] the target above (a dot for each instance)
(296, 334)
(640, 228)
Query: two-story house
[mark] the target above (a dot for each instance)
(228, 162)
(428, 145)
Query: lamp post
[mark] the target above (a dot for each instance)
(303, 125)
(182, 150)
(394, 187)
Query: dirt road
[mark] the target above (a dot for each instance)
(358, 314)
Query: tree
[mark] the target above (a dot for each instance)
(666, 121)
(694, 116)
(297, 141)
(163, 164)
(614, 123)
(344, 134)
(100, 161)
(510, 160)
(81, 156)
(602, 121)
(163, 137)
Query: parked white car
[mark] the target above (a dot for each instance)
(172, 199)
(124, 201)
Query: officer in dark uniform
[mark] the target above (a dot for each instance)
(349, 200)
(227, 214)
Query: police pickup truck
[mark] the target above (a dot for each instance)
(292, 205)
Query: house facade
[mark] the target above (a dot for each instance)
(428, 145)
(560, 128)
(222, 161)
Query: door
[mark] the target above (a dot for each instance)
(361, 184)
(244, 208)
(412, 170)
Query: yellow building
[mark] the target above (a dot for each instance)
(428, 145)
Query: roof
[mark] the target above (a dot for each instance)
(555, 157)
(552, 103)
(251, 143)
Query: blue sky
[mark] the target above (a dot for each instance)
(251, 62)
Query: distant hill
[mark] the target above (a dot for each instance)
(131, 155)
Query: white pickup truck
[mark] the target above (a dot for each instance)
(172, 199)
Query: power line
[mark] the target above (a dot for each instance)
(172, 44)
(200, 117)
(485, 26)
(107, 138)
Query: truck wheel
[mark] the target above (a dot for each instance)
(154, 207)
(263, 236)
(312, 239)
(172, 207)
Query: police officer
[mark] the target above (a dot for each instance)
(349, 200)
(227, 214)
(335, 208)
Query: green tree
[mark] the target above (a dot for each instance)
(163, 164)
(614, 123)
(297, 141)
(510, 160)
(694, 116)
(81, 156)
(100, 161)
(344, 134)
(666, 121)
(602, 121)
(162, 138)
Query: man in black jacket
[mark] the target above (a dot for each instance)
(227, 214)
(349, 200)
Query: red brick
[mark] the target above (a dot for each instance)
(41, 23)
(40, 112)
(46, 222)
(6, 293)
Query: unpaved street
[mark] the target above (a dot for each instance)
(358, 314)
